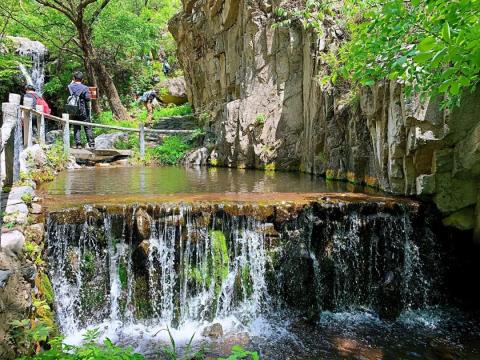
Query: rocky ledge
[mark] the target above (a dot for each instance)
(257, 87)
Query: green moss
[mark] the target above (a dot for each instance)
(88, 263)
(213, 162)
(270, 167)
(219, 261)
(122, 274)
(46, 288)
(247, 281)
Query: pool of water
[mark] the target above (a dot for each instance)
(175, 180)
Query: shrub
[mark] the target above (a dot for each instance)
(171, 151)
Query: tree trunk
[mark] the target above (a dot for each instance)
(92, 81)
(101, 73)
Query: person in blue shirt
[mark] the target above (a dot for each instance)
(77, 88)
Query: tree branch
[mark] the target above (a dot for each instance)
(98, 11)
(59, 7)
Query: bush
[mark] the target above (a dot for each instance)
(90, 350)
(171, 151)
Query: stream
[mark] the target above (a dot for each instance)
(289, 265)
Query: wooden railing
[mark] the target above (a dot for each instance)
(18, 119)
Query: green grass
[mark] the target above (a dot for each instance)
(171, 151)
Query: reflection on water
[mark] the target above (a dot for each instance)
(171, 180)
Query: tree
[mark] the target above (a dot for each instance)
(83, 14)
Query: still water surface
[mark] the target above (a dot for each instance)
(172, 180)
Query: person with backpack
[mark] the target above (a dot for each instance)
(77, 107)
(30, 92)
(149, 100)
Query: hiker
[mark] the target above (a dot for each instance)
(149, 100)
(30, 92)
(166, 68)
(77, 107)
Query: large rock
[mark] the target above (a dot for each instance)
(14, 197)
(143, 224)
(172, 91)
(107, 141)
(197, 157)
(257, 88)
(12, 242)
(33, 157)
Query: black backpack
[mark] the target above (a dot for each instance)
(75, 106)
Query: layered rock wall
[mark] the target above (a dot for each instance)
(257, 87)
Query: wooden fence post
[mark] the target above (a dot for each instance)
(142, 141)
(11, 138)
(41, 125)
(66, 134)
(27, 122)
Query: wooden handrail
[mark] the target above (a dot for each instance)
(103, 126)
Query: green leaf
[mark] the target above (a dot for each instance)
(422, 58)
(446, 35)
(427, 44)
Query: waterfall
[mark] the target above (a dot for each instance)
(174, 265)
(34, 73)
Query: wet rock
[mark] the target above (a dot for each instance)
(72, 163)
(4, 276)
(213, 331)
(52, 136)
(12, 242)
(144, 247)
(107, 141)
(143, 224)
(29, 272)
(197, 157)
(172, 91)
(463, 219)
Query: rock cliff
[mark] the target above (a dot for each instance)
(257, 88)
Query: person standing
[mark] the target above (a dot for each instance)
(81, 96)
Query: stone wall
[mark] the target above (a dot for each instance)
(258, 89)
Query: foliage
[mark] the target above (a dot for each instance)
(88, 351)
(130, 38)
(240, 353)
(171, 151)
(260, 119)
(432, 46)
(187, 352)
(311, 15)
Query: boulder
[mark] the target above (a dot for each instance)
(52, 136)
(107, 141)
(14, 197)
(463, 219)
(172, 91)
(33, 157)
(12, 242)
(143, 224)
(213, 331)
(197, 157)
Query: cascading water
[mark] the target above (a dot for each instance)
(171, 266)
(34, 73)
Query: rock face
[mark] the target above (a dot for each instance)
(258, 88)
